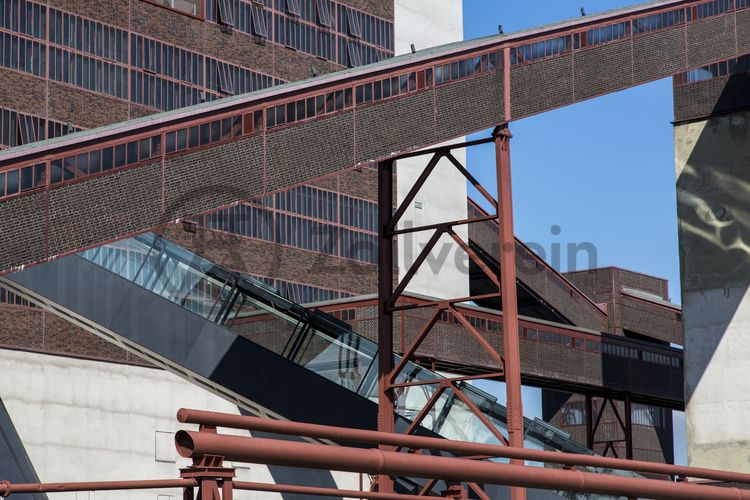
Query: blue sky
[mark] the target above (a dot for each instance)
(601, 170)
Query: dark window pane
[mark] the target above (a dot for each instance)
(144, 149)
(55, 174)
(107, 159)
(310, 107)
(271, 117)
(257, 121)
(95, 162)
(193, 137)
(216, 131)
(339, 100)
(226, 128)
(132, 152)
(348, 98)
(171, 142)
(280, 114)
(155, 146)
(2, 187)
(12, 178)
(237, 126)
(181, 139)
(82, 165)
(329, 103)
(205, 133)
(320, 104)
(119, 155)
(301, 109)
(291, 112)
(69, 168)
(27, 178)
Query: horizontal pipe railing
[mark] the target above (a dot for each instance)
(6, 488)
(373, 461)
(317, 491)
(464, 448)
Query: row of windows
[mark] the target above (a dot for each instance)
(205, 133)
(359, 213)
(103, 160)
(317, 236)
(605, 34)
(540, 50)
(602, 35)
(88, 73)
(311, 107)
(574, 413)
(23, 179)
(466, 68)
(17, 129)
(23, 54)
(658, 21)
(93, 56)
(165, 59)
(389, 87)
(91, 37)
(12, 299)
(24, 17)
(305, 25)
(162, 93)
(735, 66)
(493, 326)
(310, 202)
(370, 29)
(305, 294)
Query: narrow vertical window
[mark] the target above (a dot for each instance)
(324, 13)
(259, 26)
(226, 82)
(26, 130)
(293, 8)
(226, 12)
(355, 57)
(355, 29)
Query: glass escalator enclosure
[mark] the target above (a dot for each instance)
(314, 340)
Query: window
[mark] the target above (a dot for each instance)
(226, 12)
(259, 27)
(26, 130)
(293, 8)
(355, 29)
(324, 13)
(226, 82)
(186, 6)
(355, 57)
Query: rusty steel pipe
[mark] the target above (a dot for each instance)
(316, 491)
(456, 447)
(192, 444)
(6, 488)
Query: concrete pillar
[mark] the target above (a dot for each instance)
(712, 166)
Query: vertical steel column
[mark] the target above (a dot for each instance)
(507, 259)
(385, 314)
(589, 422)
(628, 428)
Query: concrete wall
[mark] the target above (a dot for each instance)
(83, 420)
(712, 165)
(443, 197)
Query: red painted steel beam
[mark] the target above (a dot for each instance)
(7, 489)
(315, 491)
(386, 395)
(507, 258)
(385, 463)
(463, 448)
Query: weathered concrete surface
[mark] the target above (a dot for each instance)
(82, 420)
(712, 165)
(443, 197)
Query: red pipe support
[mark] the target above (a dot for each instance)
(463, 448)
(315, 491)
(6, 488)
(373, 461)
